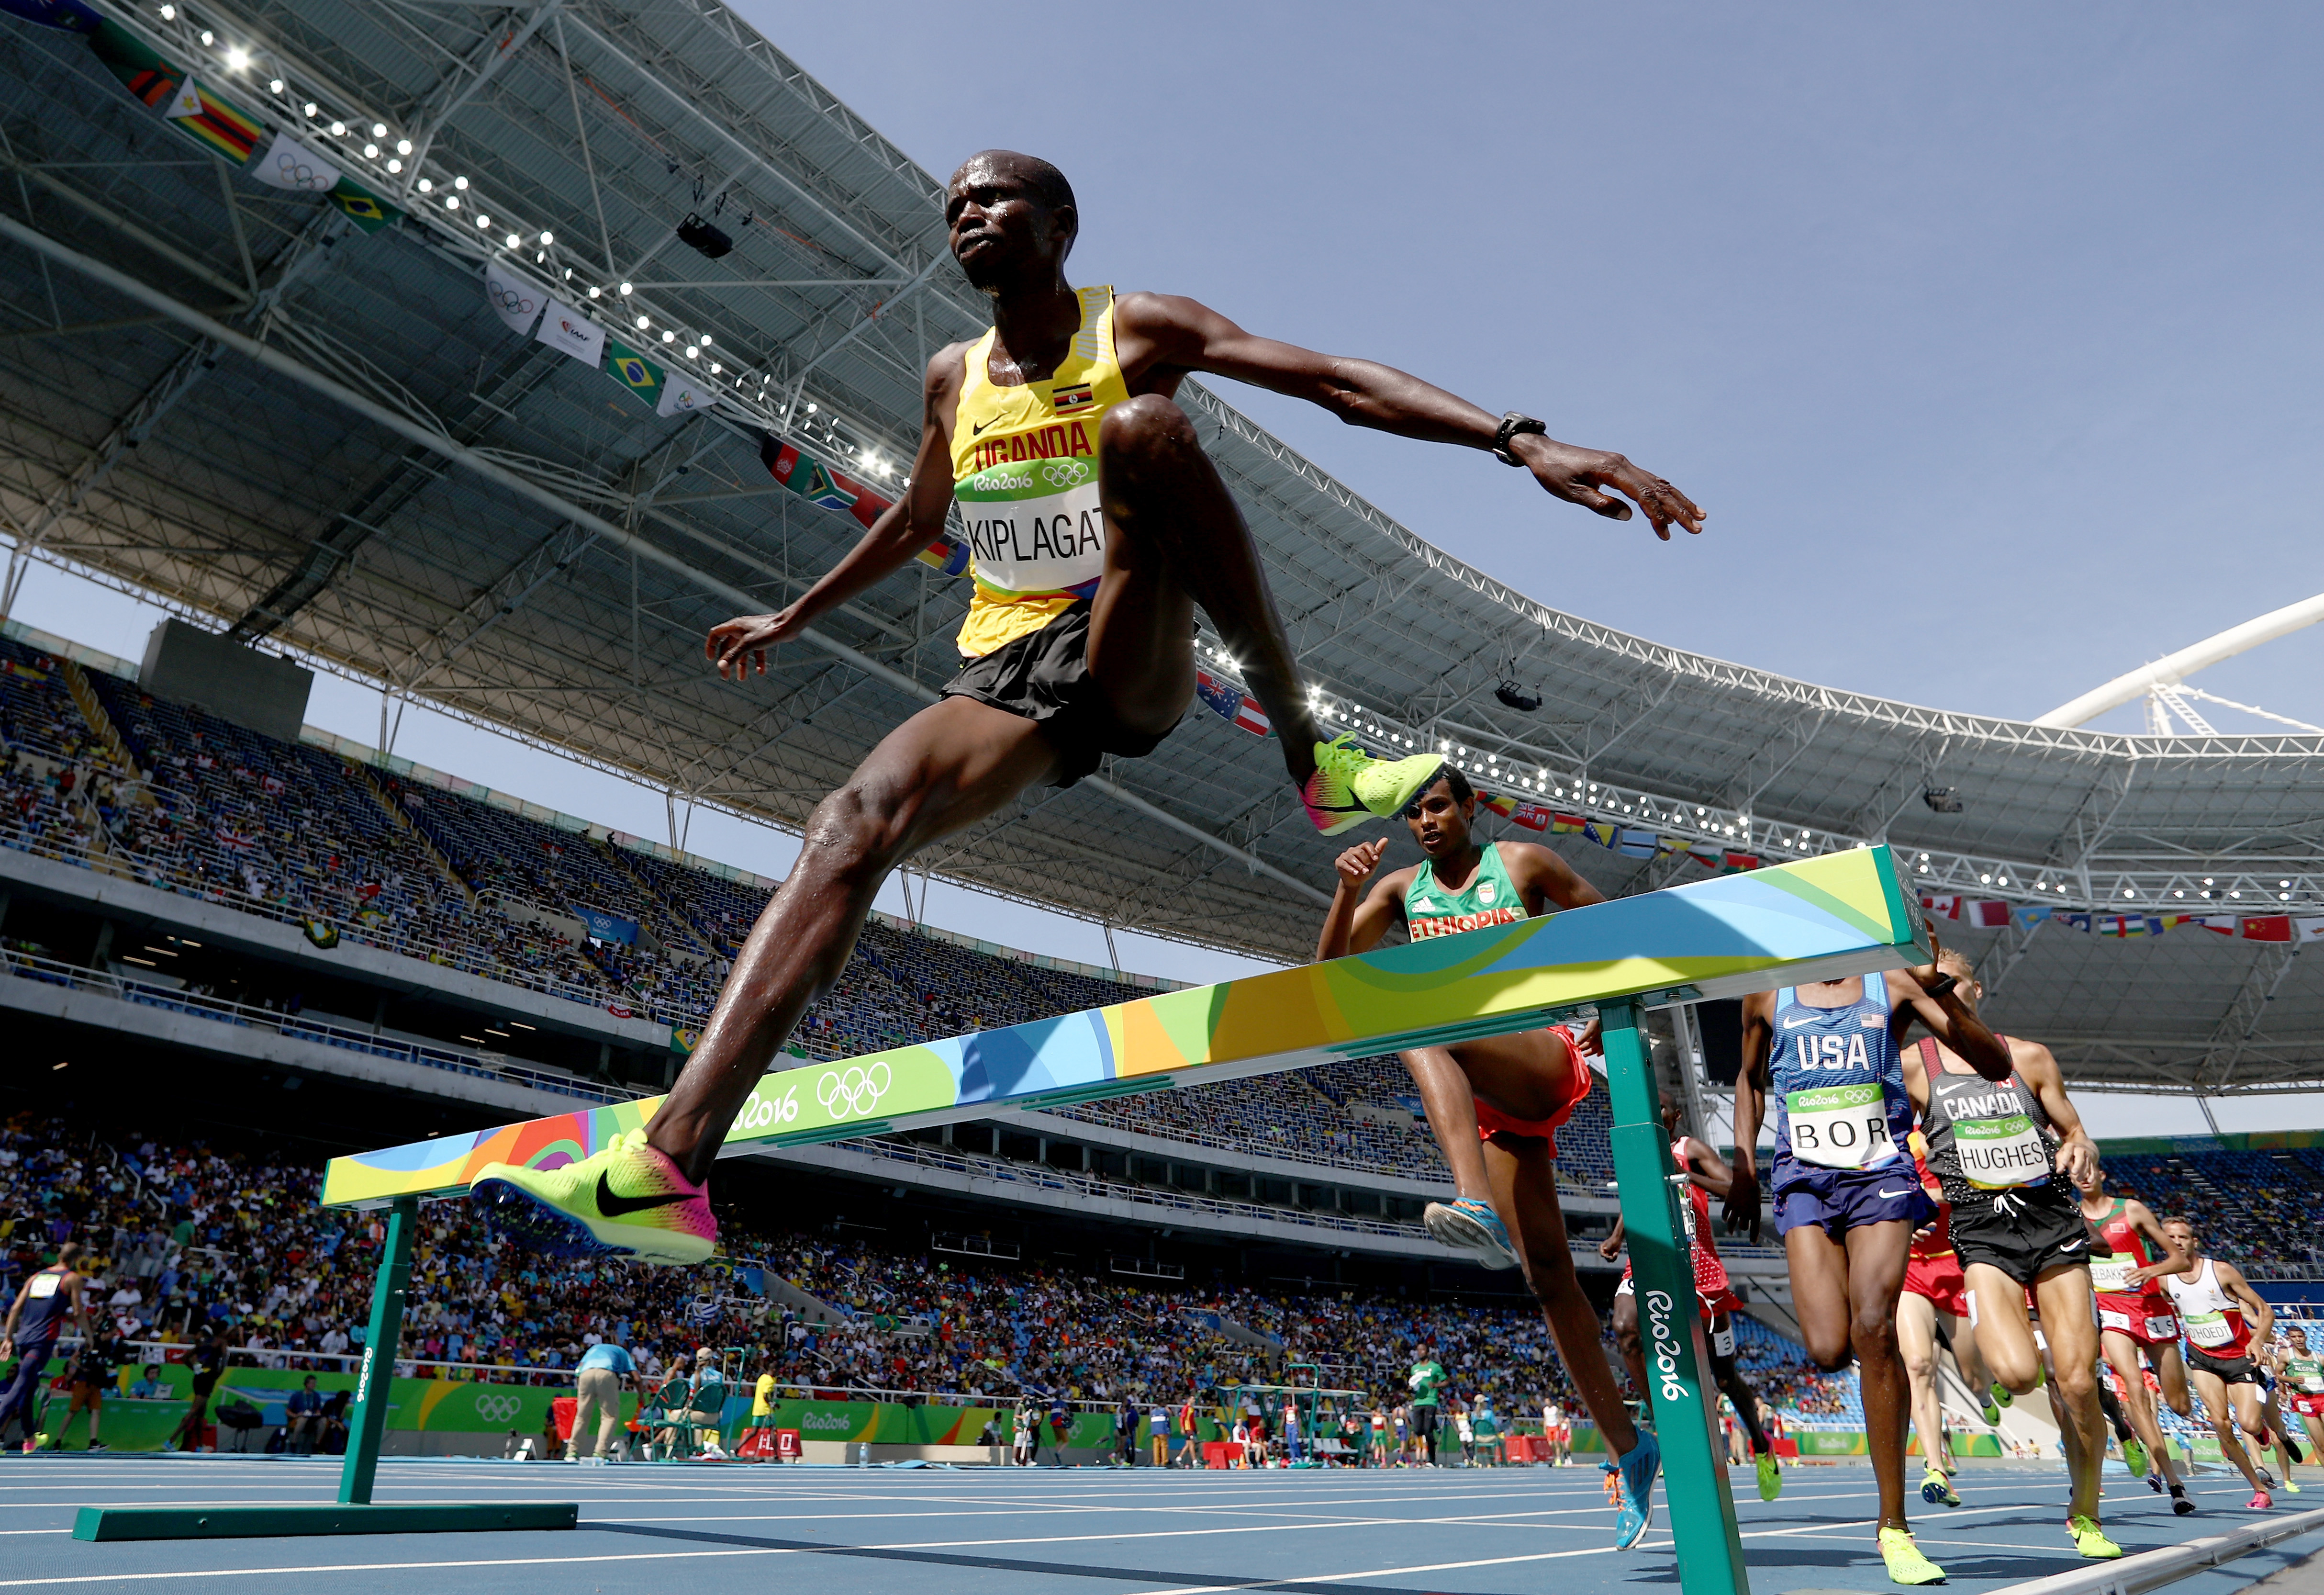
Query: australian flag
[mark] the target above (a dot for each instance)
(1229, 703)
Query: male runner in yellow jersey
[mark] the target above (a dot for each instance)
(1098, 526)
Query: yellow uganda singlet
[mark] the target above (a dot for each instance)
(1024, 468)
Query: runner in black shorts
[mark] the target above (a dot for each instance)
(2017, 1225)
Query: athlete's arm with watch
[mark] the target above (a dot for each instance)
(1160, 336)
(1932, 997)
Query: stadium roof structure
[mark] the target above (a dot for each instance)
(321, 437)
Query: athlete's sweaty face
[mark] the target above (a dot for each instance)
(2183, 1236)
(1439, 822)
(1002, 231)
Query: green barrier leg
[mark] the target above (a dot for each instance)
(1694, 1465)
(376, 1384)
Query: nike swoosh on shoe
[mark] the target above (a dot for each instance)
(613, 1206)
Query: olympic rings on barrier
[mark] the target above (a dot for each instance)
(858, 1090)
(496, 1406)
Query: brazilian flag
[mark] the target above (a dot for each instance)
(634, 372)
(366, 209)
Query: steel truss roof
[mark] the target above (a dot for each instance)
(531, 550)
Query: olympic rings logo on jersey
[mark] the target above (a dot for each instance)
(854, 1091)
(496, 1406)
(1064, 472)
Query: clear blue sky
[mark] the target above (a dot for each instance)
(1988, 335)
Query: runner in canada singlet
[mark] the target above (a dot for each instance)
(1024, 469)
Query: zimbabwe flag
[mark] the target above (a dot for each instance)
(218, 124)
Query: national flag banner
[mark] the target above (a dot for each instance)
(1709, 854)
(683, 395)
(235, 840)
(1637, 844)
(1565, 825)
(1942, 908)
(271, 785)
(215, 123)
(70, 15)
(1665, 846)
(563, 327)
(817, 483)
(290, 164)
(2074, 921)
(1737, 862)
(1218, 696)
(1533, 816)
(141, 71)
(1986, 914)
(366, 209)
(2304, 931)
(633, 371)
(2267, 928)
(1252, 718)
(2218, 924)
(514, 298)
(944, 554)
(23, 672)
(1501, 803)
(2123, 925)
(2032, 914)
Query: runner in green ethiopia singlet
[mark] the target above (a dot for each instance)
(1491, 897)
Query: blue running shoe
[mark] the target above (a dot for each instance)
(1471, 1225)
(1637, 1510)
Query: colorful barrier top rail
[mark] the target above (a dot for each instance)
(1843, 914)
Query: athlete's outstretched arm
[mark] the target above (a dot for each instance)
(1167, 333)
(902, 529)
(2077, 1153)
(1947, 1018)
(1706, 1168)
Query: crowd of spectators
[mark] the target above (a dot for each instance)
(188, 1238)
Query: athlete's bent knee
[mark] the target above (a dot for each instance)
(853, 836)
(1147, 430)
(1871, 1329)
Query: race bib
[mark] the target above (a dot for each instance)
(2210, 1329)
(2163, 1328)
(1996, 1154)
(44, 1285)
(1722, 1341)
(1035, 526)
(1840, 1125)
(2110, 1276)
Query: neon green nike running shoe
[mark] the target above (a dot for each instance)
(1349, 785)
(1771, 1476)
(2090, 1540)
(628, 1200)
(1937, 1488)
(2001, 1395)
(2134, 1458)
(1906, 1566)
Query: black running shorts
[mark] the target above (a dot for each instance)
(1044, 677)
(1424, 1420)
(2227, 1371)
(2025, 1233)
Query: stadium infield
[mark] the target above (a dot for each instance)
(834, 1531)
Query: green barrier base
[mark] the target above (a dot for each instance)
(243, 1522)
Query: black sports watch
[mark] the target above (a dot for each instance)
(1940, 985)
(1511, 425)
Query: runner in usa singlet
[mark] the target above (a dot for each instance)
(1839, 1085)
(1024, 469)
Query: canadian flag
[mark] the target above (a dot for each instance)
(1944, 908)
(1991, 915)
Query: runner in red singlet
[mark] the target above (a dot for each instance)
(1707, 1175)
(1930, 1316)
(2137, 1320)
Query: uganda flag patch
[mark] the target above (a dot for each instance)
(218, 124)
(1066, 400)
(366, 209)
(142, 72)
(633, 371)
